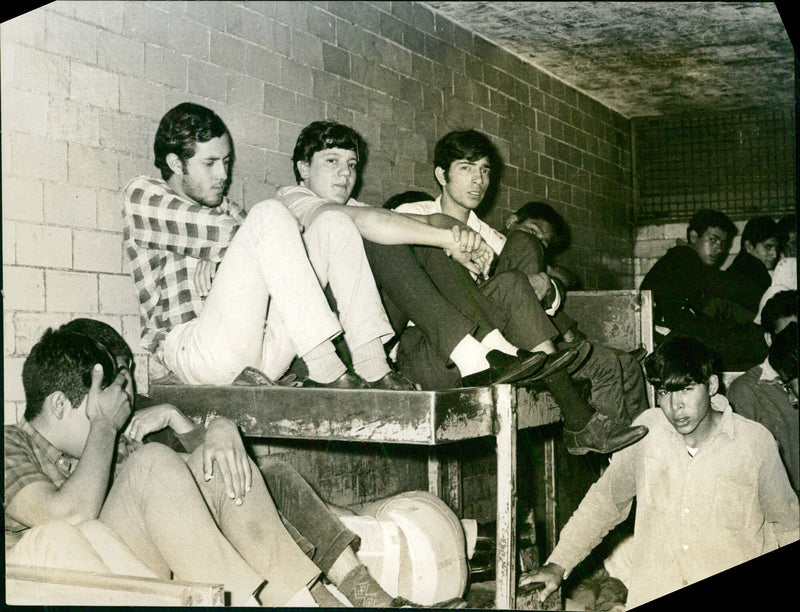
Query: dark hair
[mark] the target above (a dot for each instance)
(102, 333)
(462, 144)
(679, 362)
(407, 197)
(783, 352)
(703, 219)
(320, 135)
(783, 228)
(562, 235)
(758, 230)
(179, 131)
(63, 361)
(781, 305)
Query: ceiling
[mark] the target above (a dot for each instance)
(647, 58)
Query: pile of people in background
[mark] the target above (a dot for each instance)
(228, 294)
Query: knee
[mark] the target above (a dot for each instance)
(270, 214)
(153, 455)
(334, 223)
(515, 280)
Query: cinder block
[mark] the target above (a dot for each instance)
(9, 334)
(71, 291)
(228, 52)
(23, 288)
(306, 50)
(107, 15)
(28, 29)
(97, 251)
(34, 157)
(188, 38)
(29, 328)
(120, 54)
(69, 205)
(94, 86)
(10, 411)
(73, 121)
(44, 245)
(70, 38)
(262, 64)
(142, 98)
(245, 93)
(93, 167)
(296, 77)
(24, 111)
(22, 199)
(109, 210)
(208, 80)
(147, 22)
(165, 66)
(9, 242)
(123, 133)
(38, 71)
(118, 295)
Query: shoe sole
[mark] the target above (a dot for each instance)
(524, 370)
(551, 368)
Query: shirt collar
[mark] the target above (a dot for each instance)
(64, 462)
(768, 373)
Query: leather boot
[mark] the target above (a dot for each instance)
(602, 435)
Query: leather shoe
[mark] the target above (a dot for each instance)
(348, 380)
(602, 435)
(554, 362)
(392, 381)
(584, 349)
(455, 603)
(505, 368)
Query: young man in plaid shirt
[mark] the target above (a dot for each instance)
(265, 305)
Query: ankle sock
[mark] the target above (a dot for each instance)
(575, 410)
(369, 360)
(469, 355)
(494, 340)
(323, 363)
(363, 591)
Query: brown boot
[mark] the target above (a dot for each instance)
(602, 435)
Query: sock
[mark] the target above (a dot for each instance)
(494, 340)
(363, 590)
(575, 410)
(369, 360)
(469, 356)
(323, 363)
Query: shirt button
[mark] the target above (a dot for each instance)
(685, 582)
(686, 510)
(685, 547)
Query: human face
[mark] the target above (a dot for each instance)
(689, 410)
(711, 245)
(204, 176)
(331, 174)
(540, 228)
(766, 252)
(465, 185)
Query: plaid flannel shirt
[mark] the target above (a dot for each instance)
(165, 236)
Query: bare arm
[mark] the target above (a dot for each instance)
(81, 497)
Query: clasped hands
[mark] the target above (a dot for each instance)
(471, 252)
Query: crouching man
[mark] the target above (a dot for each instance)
(711, 491)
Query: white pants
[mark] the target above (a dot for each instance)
(267, 275)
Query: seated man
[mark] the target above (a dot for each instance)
(479, 330)
(710, 489)
(750, 271)
(766, 395)
(179, 228)
(551, 234)
(59, 459)
(784, 276)
(693, 298)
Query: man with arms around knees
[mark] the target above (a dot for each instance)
(327, 159)
(692, 297)
(750, 272)
(710, 489)
(463, 162)
(767, 393)
(208, 275)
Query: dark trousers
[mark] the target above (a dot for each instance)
(421, 284)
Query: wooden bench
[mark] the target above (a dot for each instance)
(622, 319)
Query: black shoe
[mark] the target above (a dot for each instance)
(393, 381)
(602, 435)
(505, 368)
(348, 380)
(455, 603)
(555, 362)
(584, 349)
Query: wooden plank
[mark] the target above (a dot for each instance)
(506, 561)
(27, 585)
(410, 417)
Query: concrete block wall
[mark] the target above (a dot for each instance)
(84, 85)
